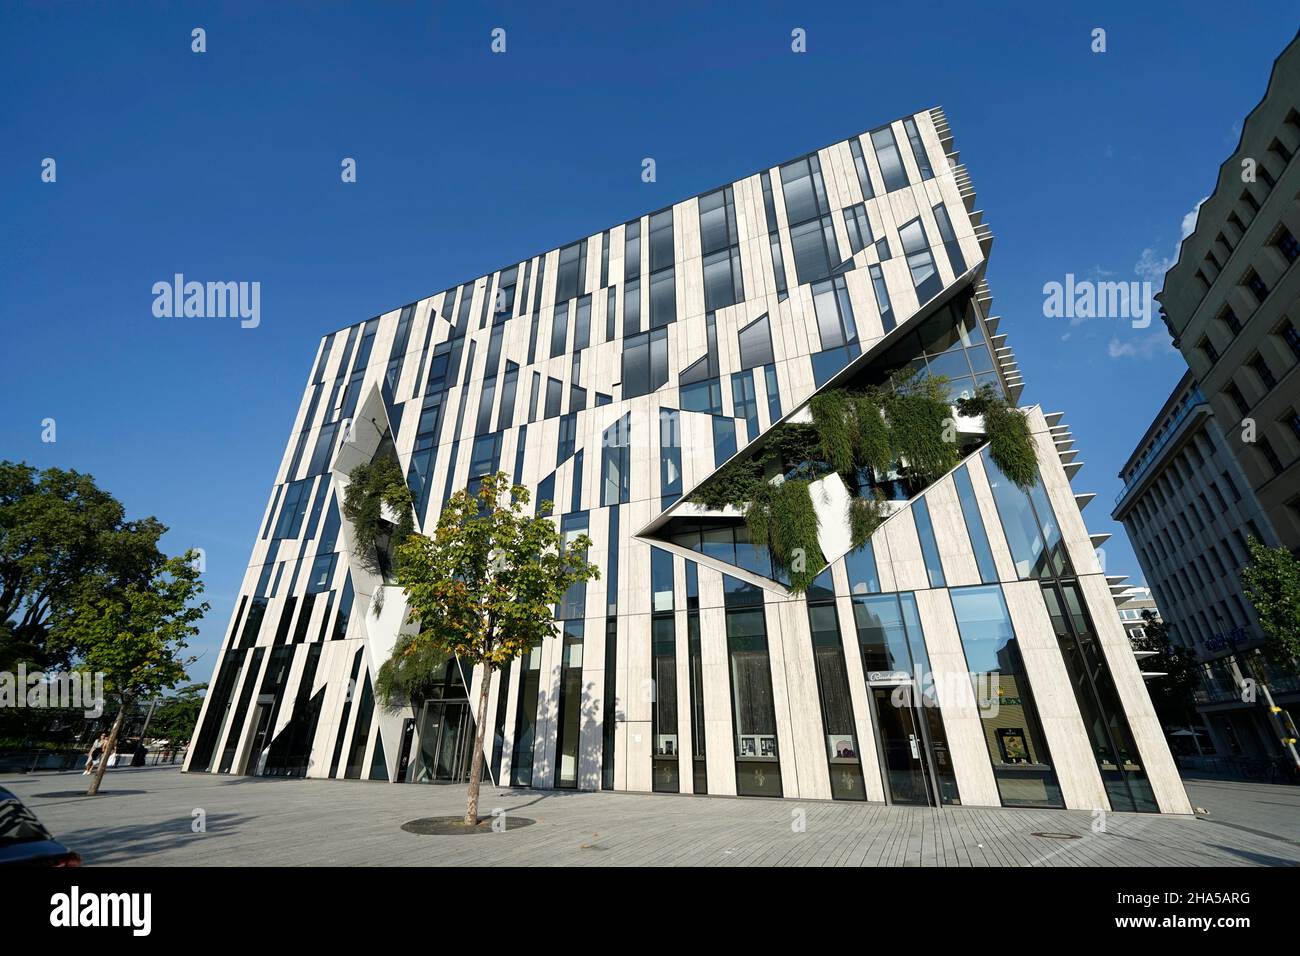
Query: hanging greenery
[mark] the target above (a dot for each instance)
(865, 516)
(370, 487)
(921, 428)
(834, 418)
(785, 447)
(792, 532)
(872, 444)
(411, 672)
(904, 424)
(1010, 443)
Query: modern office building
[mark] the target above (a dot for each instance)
(1221, 460)
(969, 653)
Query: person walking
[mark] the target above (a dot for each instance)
(96, 754)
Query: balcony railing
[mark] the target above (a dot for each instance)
(1194, 400)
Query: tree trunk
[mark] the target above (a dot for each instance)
(476, 765)
(109, 749)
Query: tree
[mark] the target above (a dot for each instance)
(1171, 694)
(60, 537)
(134, 633)
(483, 587)
(1272, 583)
(175, 717)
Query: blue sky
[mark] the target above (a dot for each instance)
(225, 166)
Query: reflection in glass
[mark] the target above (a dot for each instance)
(758, 768)
(1017, 747)
(1103, 716)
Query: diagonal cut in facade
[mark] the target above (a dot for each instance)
(968, 653)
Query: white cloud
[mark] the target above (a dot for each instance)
(1146, 347)
(1152, 267)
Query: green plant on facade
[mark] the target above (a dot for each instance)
(412, 671)
(370, 488)
(1010, 443)
(865, 516)
(784, 517)
(921, 428)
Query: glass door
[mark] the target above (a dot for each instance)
(446, 742)
(902, 746)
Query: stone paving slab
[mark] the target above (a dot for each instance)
(277, 822)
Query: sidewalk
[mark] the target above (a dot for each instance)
(144, 817)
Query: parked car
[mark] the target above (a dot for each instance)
(24, 841)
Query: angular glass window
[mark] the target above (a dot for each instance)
(836, 701)
(758, 768)
(705, 396)
(717, 221)
(773, 394)
(509, 386)
(569, 278)
(663, 713)
(860, 165)
(645, 363)
(918, 149)
(920, 261)
(297, 499)
(670, 457)
(568, 438)
(756, 343)
(554, 396)
(663, 298)
(858, 226)
(582, 323)
(661, 241)
(815, 249)
(949, 238)
(615, 464)
(632, 308)
(722, 279)
(979, 538)
(886, 307)
(805, 193)
(560, 329)
(1017, 746)
(632, 250)
(778, 266)
(724, 439)
(835, 322)
(929, 547)
(891, 163)
(745, 401)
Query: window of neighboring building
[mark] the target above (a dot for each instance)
(1286, 244)
(1256, 285)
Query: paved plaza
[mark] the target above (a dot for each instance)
(144, 817)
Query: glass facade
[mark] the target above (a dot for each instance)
(758, 765)
(595, 399)
(1017, 746)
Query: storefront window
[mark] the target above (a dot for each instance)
(758, 767)
(1017, 747)
(833, 693)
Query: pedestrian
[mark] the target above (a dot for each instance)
(96, 754)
